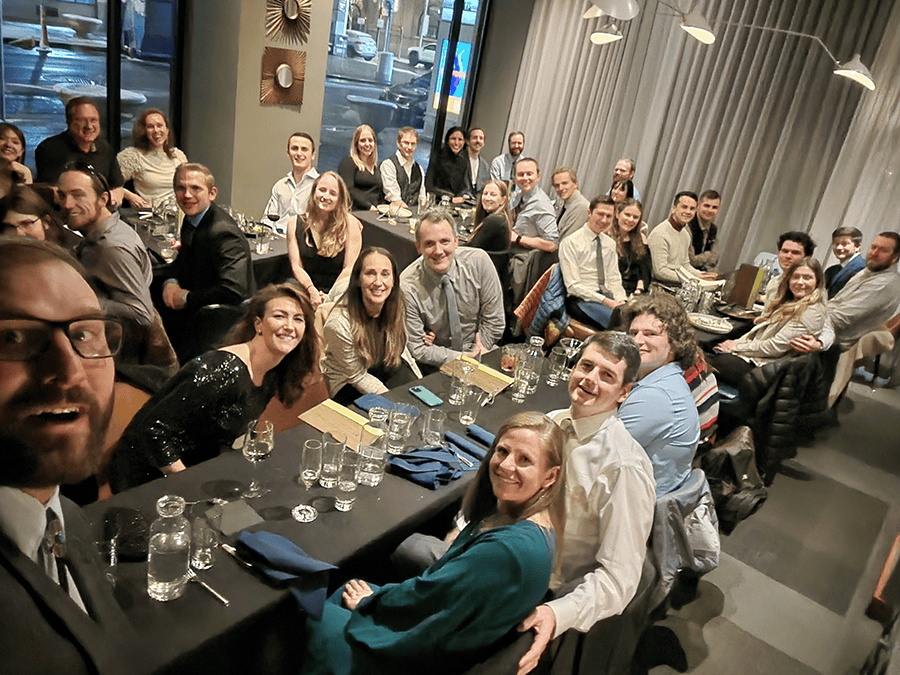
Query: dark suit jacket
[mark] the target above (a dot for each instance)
(214, 262)
(837, 277)
(42, 630)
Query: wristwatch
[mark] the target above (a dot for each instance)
(518, 239)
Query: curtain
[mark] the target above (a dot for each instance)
(758, 116)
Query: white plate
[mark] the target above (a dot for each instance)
(711, 324)
(398, 213)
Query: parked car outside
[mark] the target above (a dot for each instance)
(422, 56)
(361, 44)
(411, 98)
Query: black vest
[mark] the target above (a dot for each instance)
(409, 186)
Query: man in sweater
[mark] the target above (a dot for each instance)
(670, 243)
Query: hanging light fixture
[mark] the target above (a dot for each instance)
(624, 10)
(607, 33)
(856, 71)
(694, 24)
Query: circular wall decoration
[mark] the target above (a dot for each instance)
(288, 20)
(283, 74)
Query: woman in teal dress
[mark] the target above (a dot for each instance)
(496, 571)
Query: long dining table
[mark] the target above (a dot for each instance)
(262, 628)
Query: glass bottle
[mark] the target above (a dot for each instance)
(170, 550)
(535, 353)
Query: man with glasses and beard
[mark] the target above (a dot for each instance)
(57, 612)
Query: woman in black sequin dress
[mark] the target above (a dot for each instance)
(214, 397)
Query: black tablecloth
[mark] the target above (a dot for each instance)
(262, 627)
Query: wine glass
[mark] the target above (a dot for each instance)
(258, 446)
(310, 469)
(273, 212)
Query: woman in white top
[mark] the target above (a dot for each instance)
(151, 161)
(798, 309)
(365, 334)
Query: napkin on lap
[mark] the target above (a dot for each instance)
(283, 562)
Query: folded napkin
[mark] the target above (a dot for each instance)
(368, 401)
(281, 561)
(430, 467)
(480, 434)
(466, 445)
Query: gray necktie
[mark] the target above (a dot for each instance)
(53, 550)
(601, 274)
(456, 342)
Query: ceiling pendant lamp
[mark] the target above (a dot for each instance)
(624, 10)
(856, 71)
(606, 34)
(694, 24)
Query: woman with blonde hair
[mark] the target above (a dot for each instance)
(492, 220)
(324, 242)
(365, 334)
(360, 170)
(495, 572)
(799, 309)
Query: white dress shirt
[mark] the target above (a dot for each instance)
(578, 261)
(389, 179)
(610, 499)
(290, 197)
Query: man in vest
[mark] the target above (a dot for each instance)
(402, 178)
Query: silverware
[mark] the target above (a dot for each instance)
(232, 551)
(488, 400)
(460, 457)
(192, 575)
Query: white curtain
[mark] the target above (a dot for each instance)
(758, 116)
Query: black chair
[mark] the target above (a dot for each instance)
(212, 324)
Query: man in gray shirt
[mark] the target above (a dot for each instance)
(572, 206)
(453, 295)
(112, 253)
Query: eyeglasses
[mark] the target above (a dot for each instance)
(91, 338)
(20, 228)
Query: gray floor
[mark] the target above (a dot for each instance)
(794, 580)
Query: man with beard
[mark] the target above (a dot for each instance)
(478, 171)
(57, 612)
(503, 166)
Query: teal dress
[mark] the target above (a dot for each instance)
(444, 621)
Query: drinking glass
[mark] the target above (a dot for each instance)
(558, 359)
(371, 464)
(433, 429)
(462, 370)
(398, 431)
(258, 446)
(263, 237)
(508, 357)
(310, 468)
(468, 411)
(571, 345)
(331, 461)
(523, 375)
(347, 480)
(206, 518)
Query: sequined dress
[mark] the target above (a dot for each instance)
(201, 410)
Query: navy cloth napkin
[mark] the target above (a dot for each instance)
(480, 434)
(430, 467)
(280, 560)
(369, 401)
(465, 445)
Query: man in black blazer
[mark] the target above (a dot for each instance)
(57, 611)
(213, 266)
(845, 244)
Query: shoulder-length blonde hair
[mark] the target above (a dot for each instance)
(381, 338)
(784, 307)
(480, 503)
(333, 232)
(354, 149)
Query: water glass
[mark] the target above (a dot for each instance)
(206, 519)
(398, 431)
(331, 461)
(258, 444)
(263, 238)
(371, 465)
(377, 414)
(347, 480)
(433, 429)
(523, 377)
(462, 369)
(468, 411)
(508, 357)
(310, 469)
(559, 357)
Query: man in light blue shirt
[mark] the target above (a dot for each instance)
(660, 412)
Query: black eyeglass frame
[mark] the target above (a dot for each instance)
(113, 345)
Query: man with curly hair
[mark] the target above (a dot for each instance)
(660, 412)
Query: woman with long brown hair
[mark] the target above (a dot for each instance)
(24, 212)
(208, 404)
(151, 162)
(631, 246)
(494, 574)
(365, 334)
(492, 220)
(360, 170)
(324, 242)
